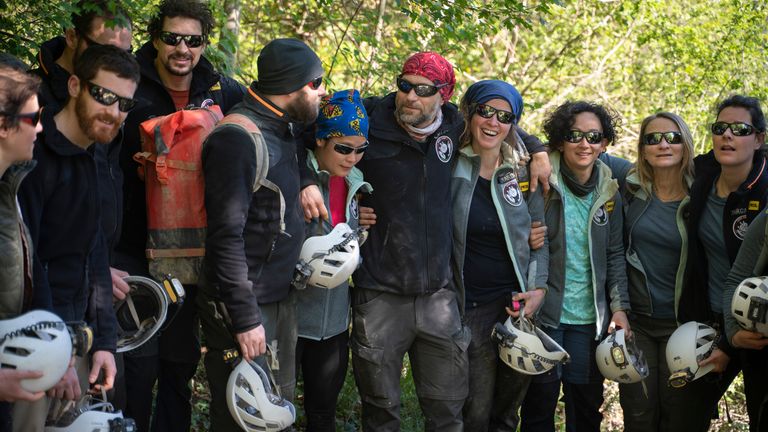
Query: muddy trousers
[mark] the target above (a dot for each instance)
(279, 321)
(427, 327)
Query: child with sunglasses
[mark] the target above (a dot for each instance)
(730, 189)
(494, 264)
(587, 285)
(655, 203)
(323, 314)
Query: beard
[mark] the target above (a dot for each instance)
(423, 116)
(92, 126)
(302, 109)
(179, 71)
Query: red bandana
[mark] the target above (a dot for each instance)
(433, 66)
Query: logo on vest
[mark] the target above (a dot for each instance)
(512, 193)
(353, 210)
(740, 226)
(444, 148)
(601, 217)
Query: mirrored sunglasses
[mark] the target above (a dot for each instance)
(487, 111)
(422, 90)
(654, 138)
(108, 97)
(173, 39)
(316, 83)
(575, 136)
(346, 149)
(738, 128)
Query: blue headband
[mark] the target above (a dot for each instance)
(342, 114)
(483, 91)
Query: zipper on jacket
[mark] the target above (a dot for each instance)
(425, 273)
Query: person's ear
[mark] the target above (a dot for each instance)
(71, 37)
(73, 85)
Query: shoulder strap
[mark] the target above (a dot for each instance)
(262, 157)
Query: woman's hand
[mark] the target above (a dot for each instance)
(533, 300)
(620, 320)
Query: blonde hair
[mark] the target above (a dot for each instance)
(643, 168)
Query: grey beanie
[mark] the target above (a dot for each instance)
(286, 65)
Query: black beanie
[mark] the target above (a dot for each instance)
(286, 65)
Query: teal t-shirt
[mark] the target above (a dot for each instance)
(578, 299)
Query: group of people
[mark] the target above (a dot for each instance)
(467, 218)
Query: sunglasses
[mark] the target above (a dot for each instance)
(345, 149)
(31, 119)
(108, 97)
(738, 128)
(575, 136)
(173, 39)
(654, 138)
(92, 42)
(316, 83)
(487, 111)
(422, 90)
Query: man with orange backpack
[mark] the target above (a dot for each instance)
(174, 75)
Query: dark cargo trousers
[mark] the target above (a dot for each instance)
(279, 321)
(427, 327)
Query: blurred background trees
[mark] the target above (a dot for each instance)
(638, 56)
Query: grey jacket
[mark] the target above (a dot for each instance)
(14, 239)
(322, 312)
(609, 279)
(636, 201)
(510, 187)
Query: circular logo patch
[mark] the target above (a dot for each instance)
(740, 226)
(444, 148)
(353, 211)
(601, 217)
(512, 193)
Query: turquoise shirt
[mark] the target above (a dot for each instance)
(578, 298)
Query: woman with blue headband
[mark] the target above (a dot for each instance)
(323, 312)
(493, 263)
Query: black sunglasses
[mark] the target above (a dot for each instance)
(316, 83)
(654, 138)
(108, 97)
(738, 128)
(173, 39)
(422, 90)
(574, 136)
(92, 42)
(31, 119)
(345, 149)
(487, 111)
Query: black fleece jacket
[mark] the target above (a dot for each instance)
(247, 261)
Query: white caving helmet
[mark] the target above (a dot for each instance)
(619, 359)
(36, 341)
(750, 305)
(332, 257)
(691, 343)
(91, 415)
(254, 400)
(525, 348)
(141, 314)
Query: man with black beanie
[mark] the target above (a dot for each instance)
(246, 301)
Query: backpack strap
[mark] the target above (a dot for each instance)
(262, 158)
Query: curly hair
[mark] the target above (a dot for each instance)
(750, 104)
(644, 169)
(194, 9)
(16, 88)
(88, 10)
(560, 121)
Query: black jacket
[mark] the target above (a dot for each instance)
(741, 207)
(156, 101)
(60, 201)
(408, 251)
(53, 91)
(247, 261)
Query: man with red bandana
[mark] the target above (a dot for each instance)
(404, 301)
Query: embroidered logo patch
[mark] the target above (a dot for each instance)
(444, 148)
(524, 186)
(512, 193)
(609, 206)
(740, 226)
(353, 210)
(754, 205)
(601, 217)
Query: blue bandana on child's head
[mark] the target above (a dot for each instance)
(342, 114)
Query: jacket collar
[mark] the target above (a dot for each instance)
(204, 76)
(52, 138)
(708, 167)
(276, 116)
(635, 187)
(16, 173)
(50, 71)
(606, 184)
